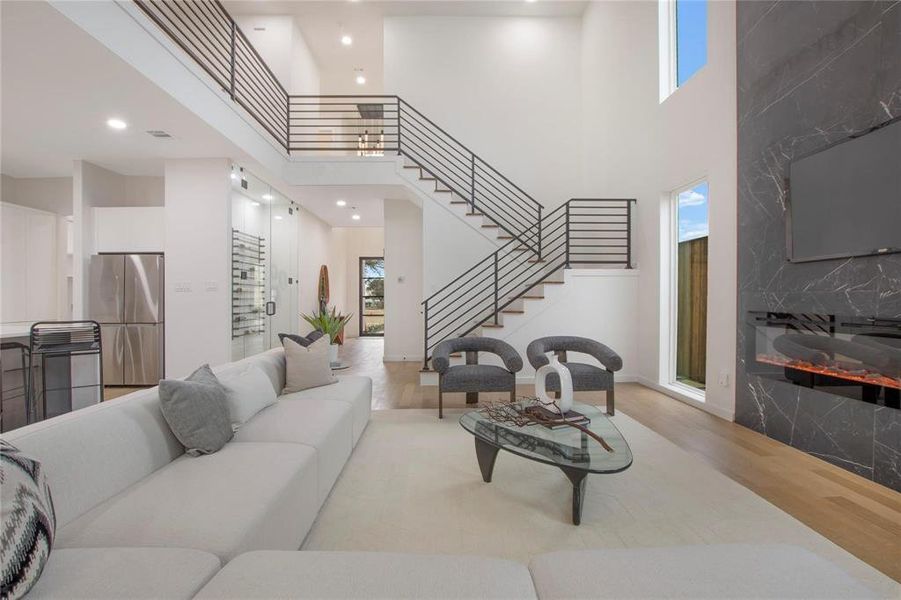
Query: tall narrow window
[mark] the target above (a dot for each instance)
(691, 286)
(691, 38)
(372, 296)
(683, 42)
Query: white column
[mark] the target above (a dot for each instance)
(198, 264)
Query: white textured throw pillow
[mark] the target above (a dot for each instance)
(247, 392)
(307, 367)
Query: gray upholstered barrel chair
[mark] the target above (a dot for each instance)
(586, 377)
(472, 377)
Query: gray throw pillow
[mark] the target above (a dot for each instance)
(300, 339)
(196, 410)
(28, 521)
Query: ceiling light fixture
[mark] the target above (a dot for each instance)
(341, 203)
(347, 40)
(278, 217)
(267, 196)
(361, 79)
(356, 217)
(254, 203)
(116, 123)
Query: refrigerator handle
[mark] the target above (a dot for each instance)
(270, 308)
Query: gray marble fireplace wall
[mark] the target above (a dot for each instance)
(810, 73)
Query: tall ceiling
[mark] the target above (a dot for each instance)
(59, 86)
(322, 24)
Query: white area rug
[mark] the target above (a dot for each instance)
(413, 485)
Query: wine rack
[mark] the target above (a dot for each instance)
(248, 284)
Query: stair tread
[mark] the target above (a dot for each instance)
(444, 191)
(532, 297)
(459, 202)
(489, 225)
(513, 312)
(492, 326)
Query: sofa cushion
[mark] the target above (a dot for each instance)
(325, 425)
(196, 410)
(367, 575)
(93, 453)
(247, 496)
(126, 573)
(715, 571)
(271, 362)
(247, 392)
(355, 390)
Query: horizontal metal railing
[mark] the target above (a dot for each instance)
(364, 125)
(210, 36)
(582, 231)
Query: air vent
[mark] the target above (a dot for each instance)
(159, 133)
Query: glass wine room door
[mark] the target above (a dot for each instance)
(264, 265)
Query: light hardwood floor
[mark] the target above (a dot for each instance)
(860, 516)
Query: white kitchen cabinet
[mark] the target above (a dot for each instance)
(28, 264)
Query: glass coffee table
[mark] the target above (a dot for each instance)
(576, 453)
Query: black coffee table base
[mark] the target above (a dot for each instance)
(487, 455)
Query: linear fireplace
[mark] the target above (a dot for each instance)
(856, 357)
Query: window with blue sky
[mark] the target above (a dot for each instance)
(693, 219)
(691, 38)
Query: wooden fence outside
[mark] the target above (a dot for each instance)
(691, 336)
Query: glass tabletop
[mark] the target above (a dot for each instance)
(564, 446)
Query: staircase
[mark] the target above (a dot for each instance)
(534, 246)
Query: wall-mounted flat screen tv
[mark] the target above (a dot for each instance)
(845, 200)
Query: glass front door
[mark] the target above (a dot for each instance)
(372, 296)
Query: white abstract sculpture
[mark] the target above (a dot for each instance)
(566, 385)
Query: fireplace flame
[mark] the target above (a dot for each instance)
(858, 376)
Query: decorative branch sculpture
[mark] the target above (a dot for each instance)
(519, 415)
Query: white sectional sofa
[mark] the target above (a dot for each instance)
(137, 518)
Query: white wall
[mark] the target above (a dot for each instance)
(450, 247)
(358, 242)
(51, 194)
(508, 88)
(600, 304)
(317, 247)
(635, 146)
(130, 228)
(403, 280)
(198, 265)
(281, 44)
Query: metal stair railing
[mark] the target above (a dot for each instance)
(582, 231)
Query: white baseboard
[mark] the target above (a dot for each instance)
(687, 399)
(401, 358)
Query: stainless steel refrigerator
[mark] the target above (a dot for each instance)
(126, 298)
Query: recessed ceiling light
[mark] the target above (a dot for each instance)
(356, 217)
(278, 217)
(254, 203)
(267, 196)
(347, 40)
(341, 203)
(116, 124)
(361, 79)
(234, 176)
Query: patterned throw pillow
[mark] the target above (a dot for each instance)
(28, 521)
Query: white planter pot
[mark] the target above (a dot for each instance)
(333, 353)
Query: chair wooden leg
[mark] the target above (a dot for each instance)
(440, 400)
(611, 409)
